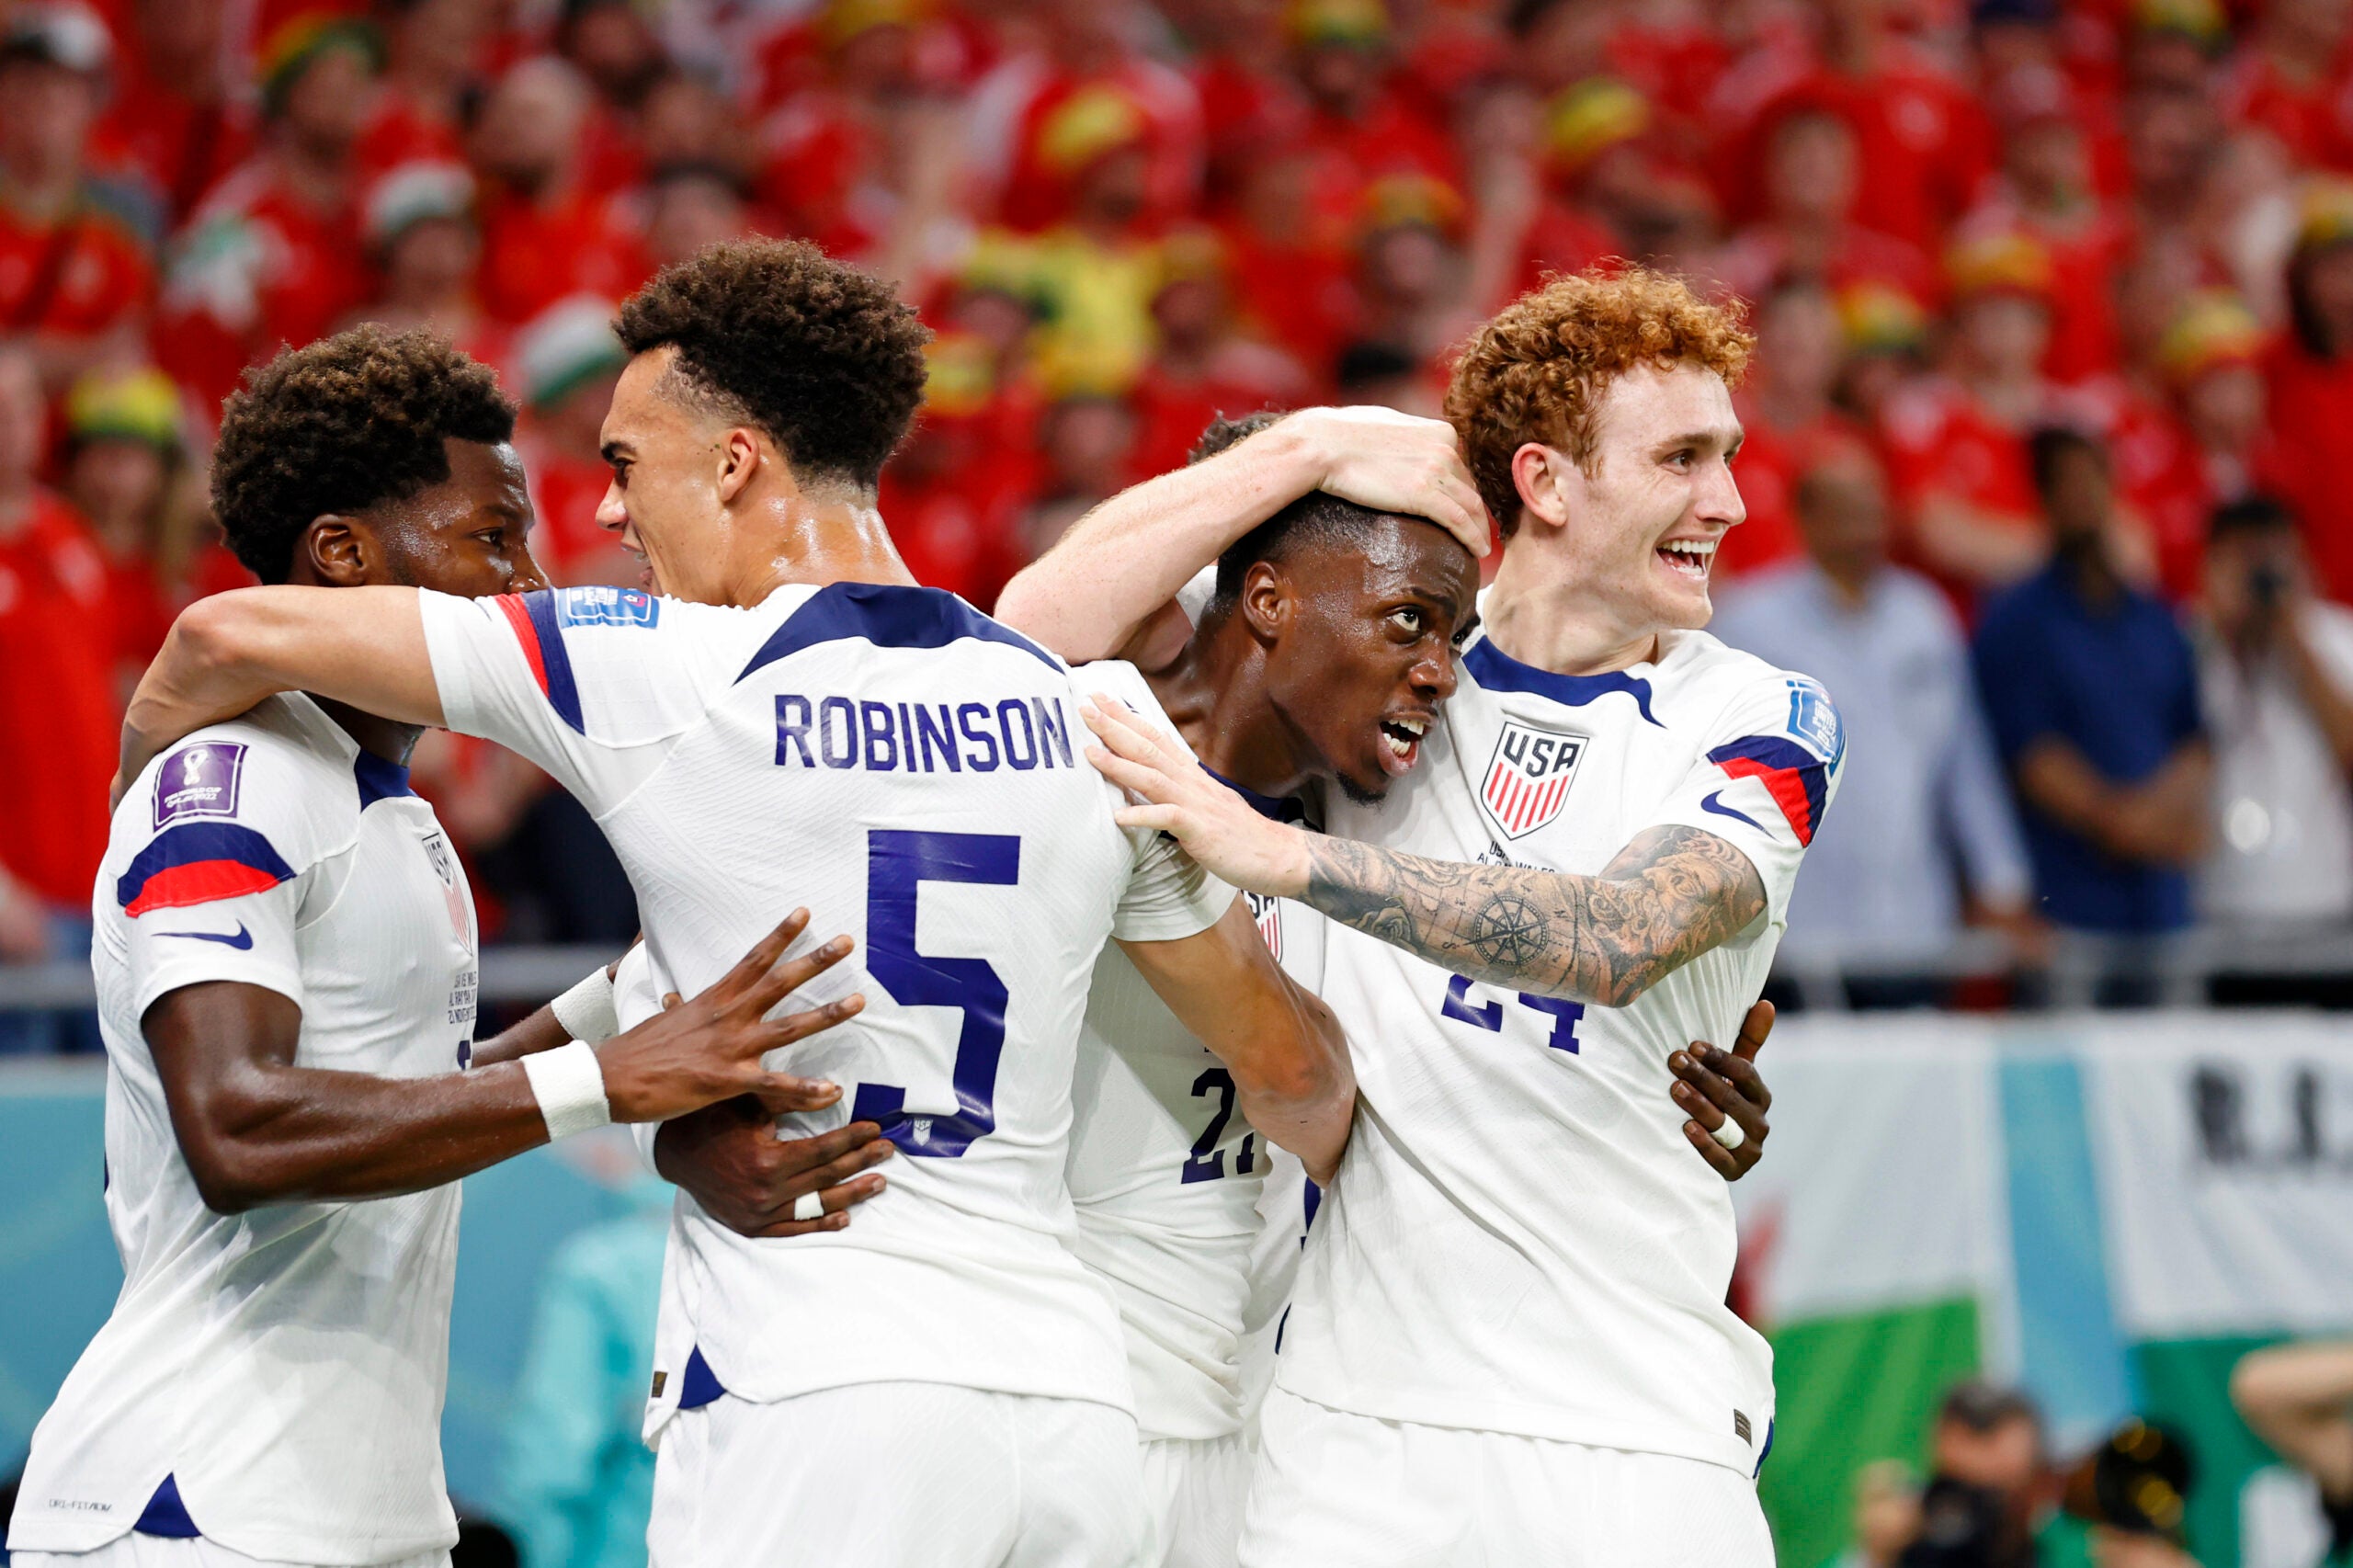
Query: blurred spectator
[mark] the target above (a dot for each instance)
(126, 472)
(2276, 675)
(1929, 836)
(1365, 126)
(2311, 387)
(2216, 438)
(2134, 1490)
(565, 363)
(1884, 335)
(418, 222)
(272, 254)
(1988, 1482)
(2299, 1399)
(1957, 444)
(1411, 273)
(548, 230)
(1887, 1516)
(177, 123)
(690, 205)
(2091, 690)
(1204, 366)
(1810, 230)
(1086, 444)
(1786, 405)
(432, 52)
(74, 278)
(579, 1480)
(57, 656)
(612, 45)
(2045, 188)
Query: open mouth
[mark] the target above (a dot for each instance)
(1688, 557)
(1401, 743)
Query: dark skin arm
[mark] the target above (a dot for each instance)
(1712, 1084)
(2160, 820)
(258, 1129)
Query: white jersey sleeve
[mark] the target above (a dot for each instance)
(1768, 766)
(591, 684)
(1169, 896)
(234, 841)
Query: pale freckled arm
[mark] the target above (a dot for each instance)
(1670, 895)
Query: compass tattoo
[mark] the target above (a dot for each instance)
(1673, 893)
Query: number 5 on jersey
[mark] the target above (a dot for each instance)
(897, 864)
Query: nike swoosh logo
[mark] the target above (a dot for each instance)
(1714, 803)
(242, 940)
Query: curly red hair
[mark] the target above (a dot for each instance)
(1537, 371)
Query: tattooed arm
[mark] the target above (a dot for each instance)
(1670, 895)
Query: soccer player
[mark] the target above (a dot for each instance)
(287, 976)
(1509, 1338)
(1318, 627)
(941, 1383)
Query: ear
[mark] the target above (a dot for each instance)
(739, 460)
(1545, 477)
(338, 551)
(1266, 600)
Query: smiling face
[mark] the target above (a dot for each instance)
(663, 502)
(1638, 526)
(1363, 645)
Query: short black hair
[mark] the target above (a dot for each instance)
(1983, 1406)
(2249, 514)
(2048, 445)
(342, 425)
(824, 358)
(1316, 521)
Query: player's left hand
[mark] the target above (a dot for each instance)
(1216, 826)
(1713, 1084)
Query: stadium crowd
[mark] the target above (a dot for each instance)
(2045, 437)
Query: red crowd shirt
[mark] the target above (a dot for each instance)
(2312, 418)
(100, 276)
(535, 253)
(57, 703)
(258, 266)
(1771, 460)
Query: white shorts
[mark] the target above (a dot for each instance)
(136, 1550)
(898, 1475)
(1193, 1491)
(1338, 1491)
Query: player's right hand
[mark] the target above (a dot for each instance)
(709, 1048)
(730, 1159)
(1395, 462)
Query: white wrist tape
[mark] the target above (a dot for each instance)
(569, 1083)
(587, 1011)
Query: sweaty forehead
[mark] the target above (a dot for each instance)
(486, 473)
(1406, 553)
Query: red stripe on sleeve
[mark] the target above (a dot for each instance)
(1786, 788)
(511, 606)
(201, 881)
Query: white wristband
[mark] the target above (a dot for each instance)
(569, 1083)
(587, 1011)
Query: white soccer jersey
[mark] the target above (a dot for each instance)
(1166, 1177)
(271, 1379)
(1519, 1239)
(909, 770)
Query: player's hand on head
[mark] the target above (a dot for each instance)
(729, 1158)
(1173, 794)
(709, 1047)
(1714, 1088)
(1396, 463)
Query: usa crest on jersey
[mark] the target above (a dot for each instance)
(1268, 911)
(1528, 778)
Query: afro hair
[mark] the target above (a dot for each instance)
(339, 426)
(822, 358)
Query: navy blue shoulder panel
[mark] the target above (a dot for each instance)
(379, 779)
(888, 616)
(1498, 671)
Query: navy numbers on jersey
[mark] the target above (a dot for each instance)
(1207, 1160)
(897, 864)
(1564, 1012)
(921, 737)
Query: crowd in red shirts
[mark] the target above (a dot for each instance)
(1954, 221)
